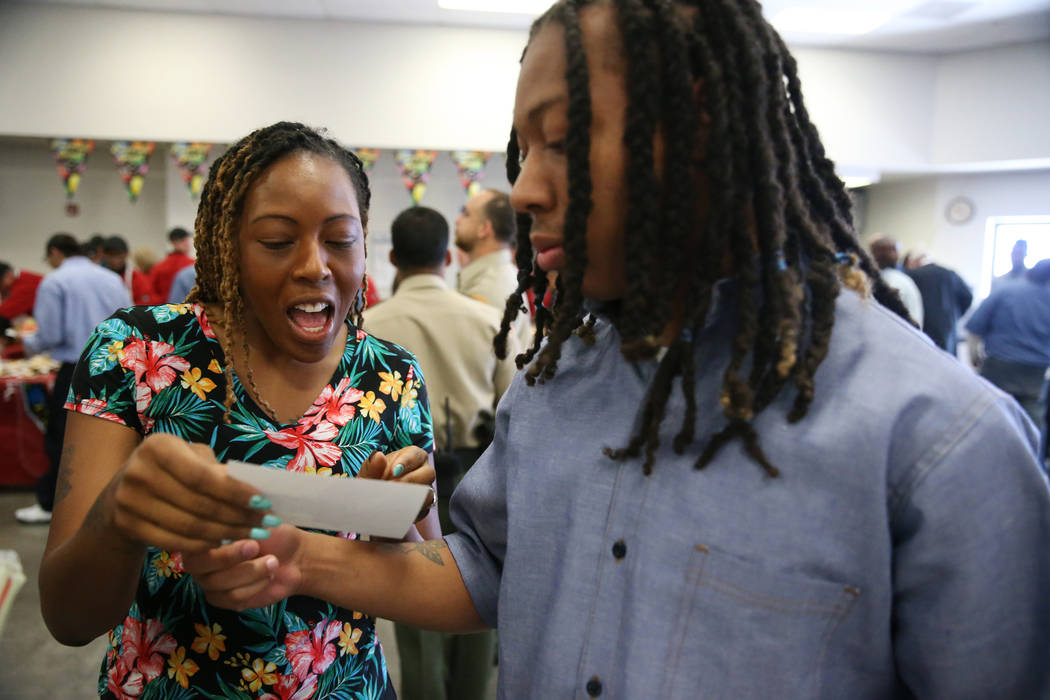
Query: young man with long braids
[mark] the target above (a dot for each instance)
(265, 363)
(705, 484)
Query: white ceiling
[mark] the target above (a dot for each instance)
(928, 26)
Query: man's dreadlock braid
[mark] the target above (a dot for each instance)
(661, 239)
(528, 275)
(769, 212)
(719, 171)
(737, 395)
(764, 171)
(680, 179)
(829, 197)
(790, 214)
(218, 223)
(822, 282)
(568, 313)
(750, 156)
(639, 321)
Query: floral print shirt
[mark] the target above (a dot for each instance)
(160, 368)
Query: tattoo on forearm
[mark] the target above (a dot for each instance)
(64, 482)
(431, 549)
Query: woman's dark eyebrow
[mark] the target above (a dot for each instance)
(285, 217)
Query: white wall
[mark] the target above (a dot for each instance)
(32, 202)
(912, 211)
(116, 74)
(872, 109)
(119, 74)
(993, 105)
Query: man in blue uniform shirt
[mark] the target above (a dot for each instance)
(70, 302)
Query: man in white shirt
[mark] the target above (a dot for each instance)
(886, 252)
(451, 336)
(485, 232)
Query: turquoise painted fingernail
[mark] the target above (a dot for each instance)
(399, 469)
(270, 521)
(260, 503)
(259, 533)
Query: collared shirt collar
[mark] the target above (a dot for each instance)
(423, 280)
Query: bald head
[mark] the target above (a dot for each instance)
(885, 251)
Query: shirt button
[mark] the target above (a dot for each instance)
(594, 687)
(619, 549)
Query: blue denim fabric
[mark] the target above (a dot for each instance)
(70, 301)
(903, 552)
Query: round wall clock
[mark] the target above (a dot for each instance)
(959, 210)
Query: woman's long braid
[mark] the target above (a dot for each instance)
(766, 174)
(217, 228)
(568, 313)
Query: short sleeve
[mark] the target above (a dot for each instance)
(980, 321)
(970, 560)
(413, 424)
(102, 386)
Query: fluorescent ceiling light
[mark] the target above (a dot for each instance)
(517, 7)
(826, 20)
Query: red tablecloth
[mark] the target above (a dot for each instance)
(22, 456)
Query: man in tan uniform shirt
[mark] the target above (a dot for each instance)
(451, 336)
(485, 233)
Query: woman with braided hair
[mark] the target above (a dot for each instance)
(728, 469)
(264, 363)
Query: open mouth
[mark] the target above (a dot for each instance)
(314, 318)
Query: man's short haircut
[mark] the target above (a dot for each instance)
(420, 238)
(65, 244)
(177, 234)
(501, 214)
(92, 245)
(115, 244)
(4, 268)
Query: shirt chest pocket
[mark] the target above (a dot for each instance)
(744, 632)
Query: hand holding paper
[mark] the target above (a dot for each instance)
(364, 506)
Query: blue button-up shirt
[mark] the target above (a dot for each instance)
(70, 302)
(902, 552)
(182, 285)
(1014, 323)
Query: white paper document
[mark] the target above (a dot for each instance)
(364, 506)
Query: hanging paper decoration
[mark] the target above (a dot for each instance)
(415, 171)
(132, 159)
(190, 159)
(368, 157)
(469, 164)
(71, 159)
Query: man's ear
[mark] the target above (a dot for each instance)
(448, 257)
(393, 260)
(486, 230)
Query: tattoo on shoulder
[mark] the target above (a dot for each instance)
(64, 483)
(431, 549)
